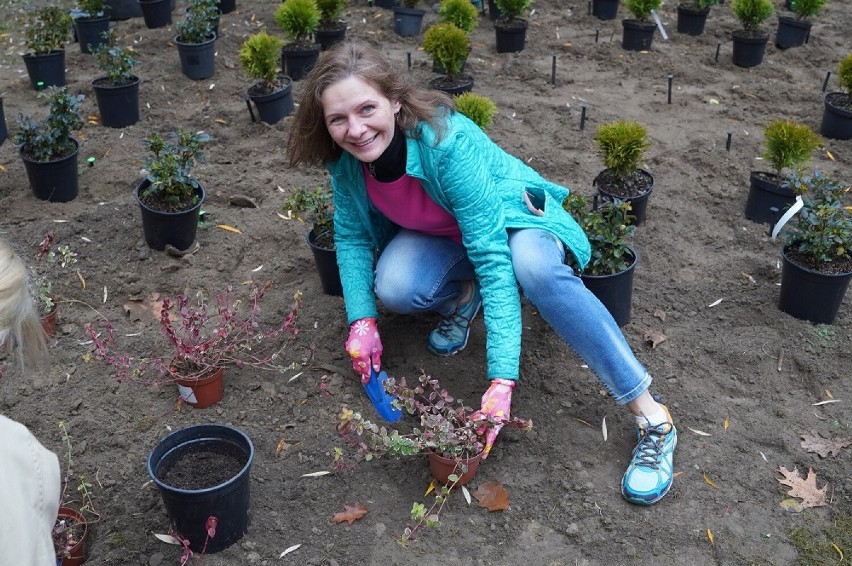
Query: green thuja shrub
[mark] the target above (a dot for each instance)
(331, 10)
(259, 55)
(47, 30)
(751, 13)
(844, 74)
(460, 13)
(622, 145)
(479, 108)
(299, 19)
(788, 144)
(641, 9)
(808, 8)
(512, 9)
(448, 46)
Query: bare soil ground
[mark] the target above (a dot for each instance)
(707, 278)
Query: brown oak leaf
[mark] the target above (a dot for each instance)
(492, 495)
(655, 337)
(824, 447)
(350, 513)
(144, 308)
(803, 488)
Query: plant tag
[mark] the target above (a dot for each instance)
(797, 206)
(659, 25)
(187, 394)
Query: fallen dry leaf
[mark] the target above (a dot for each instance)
(816, 444)
(350, 514)
(229, 228)
(145, 308)
(710, 537)
(492, 495)
(710, 482)
(803, 488)
(655, 337)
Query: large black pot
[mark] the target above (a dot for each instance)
(329, 36)
(193, 448)
(157, 13)
(123, 9)
(691, 21)
(494, 12)
(460, 84)
(605, 9)
(297, 63)
(766, 191)
(326, 262)
(46, 70)
(89, 32)
(791, 32)
(118, 105)
(637, 36)
(407, 21)
(510, 36)
(614, 291)
(274, 106)
(748, 50)
(811, 295)
(56, 180)
(837, 116)
(638, 204)
(197, 60)
(227, 6)
(175, 228)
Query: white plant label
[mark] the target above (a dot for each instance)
(187, 393)
(659, 25)
(797, 206)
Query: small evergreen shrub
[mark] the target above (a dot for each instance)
(479, 108)
(460, 13)
(299, 19)
(844, 74)
(90, 9)
(331, 10)
(641, 9)
(823, 228)
(314, 206)
(259, 57)
(808, 8)
(512, 9)
(622, 145)
(115, 62)
(789, 144)
(47, 30)
(608, 226)
(200, 22)
(51, 139)
(751, 13)
(448, 46)
(169, 168)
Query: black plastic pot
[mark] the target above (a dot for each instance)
(766, 191)
(46, 70)
(810, 295)
(123, 9)
(227, 6)
(638, 204)
(4, 132)
(175, 228)
(53, 181)
(458, 85)
(118, 105)
(228, 502)
(157, 13)
(271, 108)
(836, 119)
(197, 60)
(89, 32)
(605, 9)
(297, 63)
(387, 4)
(494, 12)
(791, 32)
(748, 50)
(691, 21)
(614, 291)
(326, 262)
(637, 36)
(511, 36)
(407, 21)
(328, 37)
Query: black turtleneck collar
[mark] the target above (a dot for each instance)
(390, 165)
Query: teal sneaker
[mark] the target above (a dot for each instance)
(452, 333)
(651, 470)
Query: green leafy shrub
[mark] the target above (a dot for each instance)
(808, 8)
(704, 4)
(622, 145)
(789, 144)
(47, 30)
(314, 206)
(460, 13)
(512, 9)
(844, 74)
(91, 9)
(448, 46)
(299, 19)
(169, 168)
(331, 10)
(409, 3)
(641, 9)
(608, 226)
(116, 62)
(751, 13)
(259, 57)
(822, 231)
(51, 139)
(200, 21)
(479, 108)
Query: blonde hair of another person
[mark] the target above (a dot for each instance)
(21, 332)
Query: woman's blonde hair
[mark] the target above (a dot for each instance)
(21, 332)
(310, 143)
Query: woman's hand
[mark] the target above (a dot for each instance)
(364, 346)
(497, 404)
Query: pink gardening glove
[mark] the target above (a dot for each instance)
(496, 403)
(363, 345)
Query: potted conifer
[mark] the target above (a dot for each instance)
(788, 145)
(638, 33)
(837, 114)
(622, 145)
(46, 34)
(196, 39)
(449, 47)
(463, 15)
(794, 31)
(692, 16)
(299, 19)
(273, 93)
(331, 28)
(91, 22)
(750, 41)
(117, 91)
(510, 28)
(47, 149)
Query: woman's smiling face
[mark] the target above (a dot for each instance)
(359, 118)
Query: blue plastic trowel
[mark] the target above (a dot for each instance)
(380, 398)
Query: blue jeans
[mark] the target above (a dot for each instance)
(417, 272)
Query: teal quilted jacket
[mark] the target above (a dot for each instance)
(482, 187)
